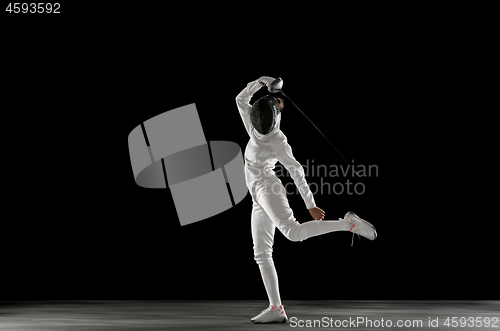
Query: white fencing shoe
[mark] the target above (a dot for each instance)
(271, 315)
(360, 226)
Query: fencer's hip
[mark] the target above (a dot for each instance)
(267, 185)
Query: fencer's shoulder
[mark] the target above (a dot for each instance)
(280, 139)
(281, 136)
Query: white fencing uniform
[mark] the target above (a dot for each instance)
(270, 204)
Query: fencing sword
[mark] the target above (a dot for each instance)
(277, 86)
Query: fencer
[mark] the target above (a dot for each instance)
(270, 208)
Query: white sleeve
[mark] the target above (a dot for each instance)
(243, 100)
(285, 157)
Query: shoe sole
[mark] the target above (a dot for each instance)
(284, 320)
(374, 231)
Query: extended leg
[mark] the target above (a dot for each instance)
(316, 228)
(271, 196)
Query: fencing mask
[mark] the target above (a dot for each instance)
(264, 113)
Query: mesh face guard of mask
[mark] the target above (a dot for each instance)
(264, 113)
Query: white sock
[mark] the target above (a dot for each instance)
(315, 228)
(270, 278)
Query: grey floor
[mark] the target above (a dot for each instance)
(235, 315)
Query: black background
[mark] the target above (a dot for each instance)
(390, 88)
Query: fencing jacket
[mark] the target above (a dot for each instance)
(263, 151)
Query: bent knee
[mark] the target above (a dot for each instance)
(294, 237)
(263, 258)
(295, 233)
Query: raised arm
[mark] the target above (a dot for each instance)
(243, 99)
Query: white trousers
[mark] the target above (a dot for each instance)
(270, 211)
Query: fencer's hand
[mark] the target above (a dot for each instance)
(317, 213)
(265, 80)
